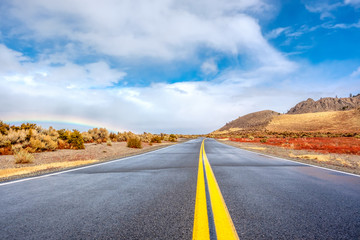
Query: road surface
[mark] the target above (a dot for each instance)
(153, 196)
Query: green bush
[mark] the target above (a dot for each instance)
(134, 142)
(76, 140)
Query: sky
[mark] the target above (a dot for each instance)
(174, 66)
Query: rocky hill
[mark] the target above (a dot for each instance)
(326, 105)
(324, 115)
(252, 121)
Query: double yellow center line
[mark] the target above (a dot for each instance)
(212, 219)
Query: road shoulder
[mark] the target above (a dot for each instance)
(340, 162)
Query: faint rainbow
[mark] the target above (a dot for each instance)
(70, 120)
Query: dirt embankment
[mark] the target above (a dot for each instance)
(46, 162)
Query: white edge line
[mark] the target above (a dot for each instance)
(80, 168)
(329, 169)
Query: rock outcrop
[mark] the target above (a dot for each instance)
(326, 105)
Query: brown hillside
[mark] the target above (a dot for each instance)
(325, 105)
(252, 121)
(336, 121)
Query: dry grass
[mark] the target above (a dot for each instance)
(339, 121)
(337, 161)
(256, 148)
(8, 172)
(23, 156)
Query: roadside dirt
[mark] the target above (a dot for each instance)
(46, 162)
(343, 162)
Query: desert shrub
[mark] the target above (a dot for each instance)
(134, 142)
(63, 144)
(27, 126)
(146, 137)
(50, 144)
(109, 142)
(76, 140)
(87, 137)
(172, 138)
(4, 128)
(15, 136)
(37, 144)
(51, 132)
(113, 137)
(104, 134)
(64, 134)
(4, 141)
(29, 134)
(155, 139)
(120, 137)
(6, 150)
(23, 156)
(263, 140)
(16, 148)
(251, 138)
(99, 133)
(162, 136)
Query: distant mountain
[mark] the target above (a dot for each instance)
(324, 115)
(326, 105)
(252, 121)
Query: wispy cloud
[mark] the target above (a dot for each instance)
(325, 9)
(355, 73)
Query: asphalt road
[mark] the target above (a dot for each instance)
(152, 196)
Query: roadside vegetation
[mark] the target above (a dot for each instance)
(341, 143)
(28, 138)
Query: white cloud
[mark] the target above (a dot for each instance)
(162, 29)
(10, 60)
(356, 73)
(343, 25)
(324, 9)
(355, 3)
(187, 107)
(277, 32)
(209, 67)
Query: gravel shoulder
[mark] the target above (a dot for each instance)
(341, 162)
(53, 161)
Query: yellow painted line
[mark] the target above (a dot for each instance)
(201, 224)
(223, 224)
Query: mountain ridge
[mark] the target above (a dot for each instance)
(325, 105)
(325, 114)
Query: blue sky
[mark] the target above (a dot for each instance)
(172, 66)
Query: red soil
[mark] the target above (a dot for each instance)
(342, 145)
